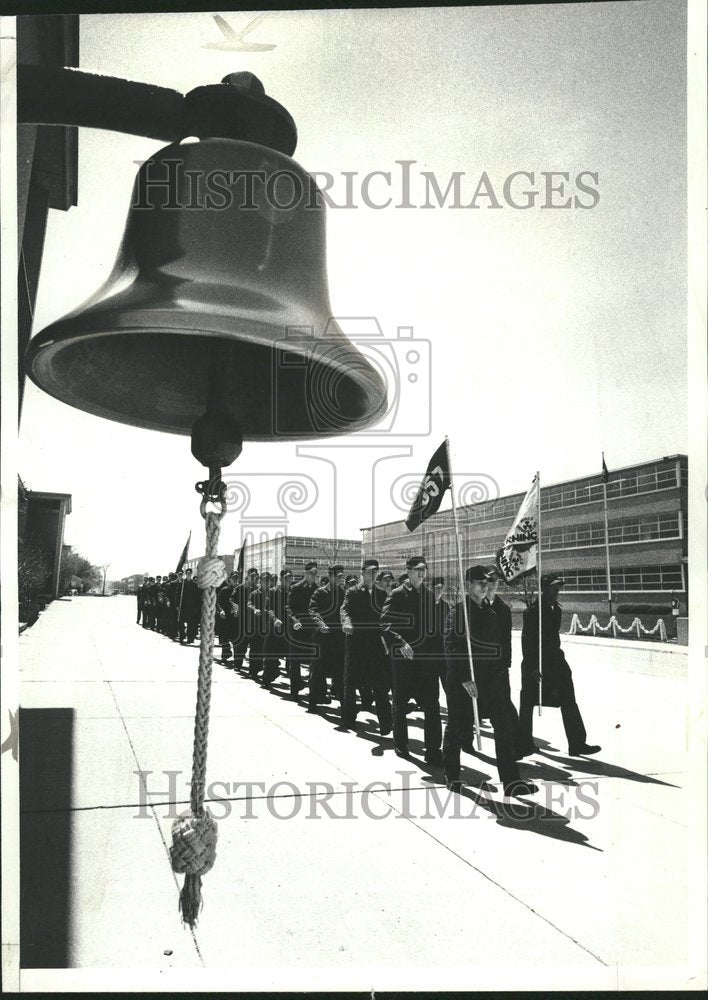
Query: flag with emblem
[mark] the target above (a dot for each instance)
(436, 481)
(519, 553)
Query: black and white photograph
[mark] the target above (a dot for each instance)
(353, 497)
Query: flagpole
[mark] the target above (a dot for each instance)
(607, 537)
(181, 592)
(475, 706)
(538, 573)
(179, 609)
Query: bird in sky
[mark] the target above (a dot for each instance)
(236, 41)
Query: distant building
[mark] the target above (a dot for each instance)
(294, 551)
(228, 561)
(647, 518)
(41, 525)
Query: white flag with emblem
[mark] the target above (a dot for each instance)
(519, 553)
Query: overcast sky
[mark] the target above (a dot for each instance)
(553, 333)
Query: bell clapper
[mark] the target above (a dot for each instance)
(217, 437)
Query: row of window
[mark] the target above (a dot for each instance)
(643, 529)
(634, 579)
(630, 579)
(646, 528)
(326, 543)
(349, 566)
(623, 484)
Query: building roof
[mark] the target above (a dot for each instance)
(65, 497)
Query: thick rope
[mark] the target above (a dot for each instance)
(193, 850)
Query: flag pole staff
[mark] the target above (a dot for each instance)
(181, 591)
(475, 706)
(538, 573)
(179, 609)
(607, 536)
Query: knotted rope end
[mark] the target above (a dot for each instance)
(193, 853)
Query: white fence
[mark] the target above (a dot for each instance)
(594, 626)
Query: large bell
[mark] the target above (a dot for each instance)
(222, 262)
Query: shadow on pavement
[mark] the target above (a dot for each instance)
(46, 750)
(590, 765)
(531, 817)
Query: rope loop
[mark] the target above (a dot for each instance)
(221, 502)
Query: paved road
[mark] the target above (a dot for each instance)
(340, 865)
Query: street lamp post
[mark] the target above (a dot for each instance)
(104, 568)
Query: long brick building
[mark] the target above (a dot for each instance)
(647, 517)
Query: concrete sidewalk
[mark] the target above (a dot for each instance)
(342, 866)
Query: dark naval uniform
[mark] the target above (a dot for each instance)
(257, 607)
(442, 610)
(246, 629)
(558, 689)
(141, 601)
(502, 612)
(300, 641)
(229, 619)
(491, 678)
(189, 611)
(365, 658)
(163, 607)
(276, 643)
(409, 616)
(174, 590)
(325, 605)
(149, 599)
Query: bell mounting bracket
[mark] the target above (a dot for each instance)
(236, 108)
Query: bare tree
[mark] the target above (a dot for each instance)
(74, 564)
(331, 552)
(524, 588)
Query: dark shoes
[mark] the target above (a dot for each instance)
(454, 786)
(434, 758)
(385, 730)
(587, 748)
(525, 752)
(514, 788)
(401, 752)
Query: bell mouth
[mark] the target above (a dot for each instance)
(158, 378)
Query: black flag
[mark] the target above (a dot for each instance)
(437, 479)
(241, 556)
(605, 475)
(185, 553)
